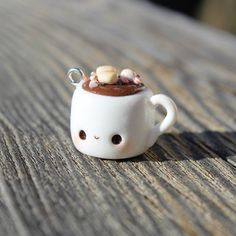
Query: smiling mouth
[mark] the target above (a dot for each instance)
(96, 137)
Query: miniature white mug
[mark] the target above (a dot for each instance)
(117, 127)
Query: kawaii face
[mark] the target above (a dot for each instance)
(115, 139)
(101, 134)
(106, 143)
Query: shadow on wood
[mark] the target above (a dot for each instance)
(190, 146)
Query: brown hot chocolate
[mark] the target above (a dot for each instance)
(117, 89)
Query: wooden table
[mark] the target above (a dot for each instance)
(184, 185)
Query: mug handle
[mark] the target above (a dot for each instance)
(168, 121)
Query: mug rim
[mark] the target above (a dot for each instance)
(146, 89)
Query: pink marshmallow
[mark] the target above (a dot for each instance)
(93, 84)
(137, 80)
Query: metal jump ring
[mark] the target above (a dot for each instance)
(77, 71)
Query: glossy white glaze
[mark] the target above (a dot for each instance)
(132, 117)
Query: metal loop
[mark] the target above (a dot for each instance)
(76, 71)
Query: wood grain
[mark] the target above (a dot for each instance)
(183, 185)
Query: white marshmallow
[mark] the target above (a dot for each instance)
(127, 73)
(101, 69)
(107, 77)
(107, 74)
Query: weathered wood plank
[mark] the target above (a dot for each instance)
(183, 185)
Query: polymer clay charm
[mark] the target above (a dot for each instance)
(113, 115)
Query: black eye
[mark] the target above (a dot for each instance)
(116, 139)
(82, 134)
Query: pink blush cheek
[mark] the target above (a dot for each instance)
(124, 147)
